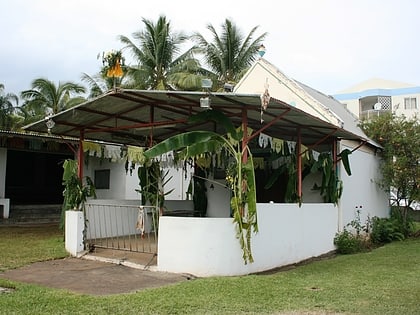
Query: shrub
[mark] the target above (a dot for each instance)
(386, 230)
(348, 243)
(402, 220)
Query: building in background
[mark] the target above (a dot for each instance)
(378, 96)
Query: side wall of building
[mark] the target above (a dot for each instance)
(361, 190)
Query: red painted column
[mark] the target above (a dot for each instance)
(80, 154)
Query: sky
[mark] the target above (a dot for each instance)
(329, 45)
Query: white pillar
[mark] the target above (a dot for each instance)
(74, 226)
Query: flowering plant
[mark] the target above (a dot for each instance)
(112, 61)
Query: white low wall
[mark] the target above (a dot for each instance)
(209, 247)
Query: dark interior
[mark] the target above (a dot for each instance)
(34, 177)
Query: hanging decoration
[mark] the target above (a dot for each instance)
(140, 221)
(264, 140)
(265, 99)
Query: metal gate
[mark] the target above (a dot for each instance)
(123, 227)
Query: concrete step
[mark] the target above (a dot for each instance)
(33, 214)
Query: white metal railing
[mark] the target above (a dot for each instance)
(123, 227)
(372, 113)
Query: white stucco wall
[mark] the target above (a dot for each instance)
(123, 184)
(398, 105)
(208, 246)
(118, 178)
(361, 190)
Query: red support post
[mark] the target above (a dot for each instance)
(80, 154)
(299, 164)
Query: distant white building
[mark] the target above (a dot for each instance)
(377, 96)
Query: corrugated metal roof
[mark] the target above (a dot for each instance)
(134, 117)
(36, 135)
(350, 122)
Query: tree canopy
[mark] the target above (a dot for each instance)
(160, 63)
(8, 102)
(47, 98)
(229, 53)
(400, 138)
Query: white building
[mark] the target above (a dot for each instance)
(207, 246)
(376, 96)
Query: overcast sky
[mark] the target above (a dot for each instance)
(329, 45)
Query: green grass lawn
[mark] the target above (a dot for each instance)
(384, 281)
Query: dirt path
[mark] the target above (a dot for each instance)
(90, 277)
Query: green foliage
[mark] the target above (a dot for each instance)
(400, 138)
(355, 240)
(385, 230)
(331, 186)
(402, 219)
(7, 103)
(348, 243)
(375, 231)
(152, 183)
(76, 190)
(45, 97)
(160, 66)
(230, 53)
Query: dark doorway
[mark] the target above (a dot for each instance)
(34, 177)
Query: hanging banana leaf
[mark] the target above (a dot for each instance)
(194, 142)
(345, 159)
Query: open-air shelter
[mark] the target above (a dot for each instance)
(288, 233)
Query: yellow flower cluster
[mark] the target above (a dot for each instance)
(113, 60)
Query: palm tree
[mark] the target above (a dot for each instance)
(46, 98)
(229, 54)
(98, 84)
(8, 103)
(160, 64)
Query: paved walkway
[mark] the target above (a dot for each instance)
(90, 276)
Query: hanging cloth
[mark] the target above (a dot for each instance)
(136, 154)
(264, 140)
(113, 152)
(258, 163)
(140, 221)
(94, 149)
(277, 145)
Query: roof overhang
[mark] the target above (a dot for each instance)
(134, 117)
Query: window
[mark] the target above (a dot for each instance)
(410, 103)
(102, 179)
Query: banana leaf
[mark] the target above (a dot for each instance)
(196, 141)
(345, 159)
(219, 118)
